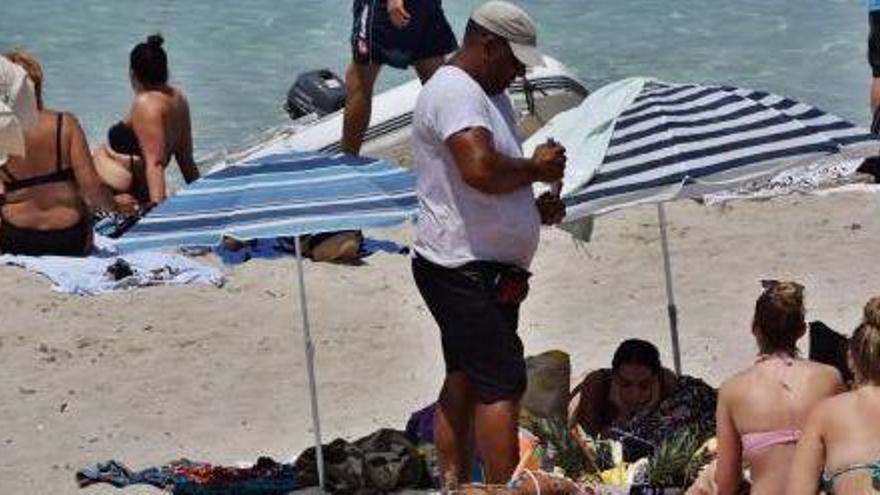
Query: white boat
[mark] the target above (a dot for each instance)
(548, 91)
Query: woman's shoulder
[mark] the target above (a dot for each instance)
(820, 373)
(737, 380)
(832, 409)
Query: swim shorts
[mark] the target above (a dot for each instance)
(374, 39)
(478, 329)
(874, 42)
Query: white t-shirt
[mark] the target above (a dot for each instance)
(458, 223)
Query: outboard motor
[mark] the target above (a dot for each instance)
(320, 92)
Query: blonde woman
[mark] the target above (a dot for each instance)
(762, 409)
(51, 192)
(839, 451)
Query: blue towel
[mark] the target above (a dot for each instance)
(283, 246)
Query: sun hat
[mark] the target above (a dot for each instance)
(18, 108)
(512, 23)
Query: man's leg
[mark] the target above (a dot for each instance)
(425, 68)
(452, 429)
(875, 95)
(498, 439)
(359, 80)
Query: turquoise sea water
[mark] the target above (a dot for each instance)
(236, 60)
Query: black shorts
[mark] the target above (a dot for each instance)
(374, 39)
(478, 333)
(874, 42)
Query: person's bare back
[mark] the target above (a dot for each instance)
(775, 395)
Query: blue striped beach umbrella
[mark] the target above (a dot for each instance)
(289, 194)
(645, 141)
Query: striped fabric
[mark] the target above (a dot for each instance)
(684, 140)
(279, 195)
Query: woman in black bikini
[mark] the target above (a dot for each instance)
(157, 127)
(49, 193)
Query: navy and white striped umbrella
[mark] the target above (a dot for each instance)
(290, 194)
(683, 140)
(644, 141)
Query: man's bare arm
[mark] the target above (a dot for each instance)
(491, 172)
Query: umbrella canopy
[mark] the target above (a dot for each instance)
(645, 141)
(288, 194)
(668, 141)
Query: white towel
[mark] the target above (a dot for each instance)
(88, 276)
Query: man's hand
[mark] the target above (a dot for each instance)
(398, 14)
(549, 161)
(551, 208)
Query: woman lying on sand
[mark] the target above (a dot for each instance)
(156, 128)
(839, 451)
(762, 409)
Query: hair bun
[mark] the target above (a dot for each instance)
(155, 40)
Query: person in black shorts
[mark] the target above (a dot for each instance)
(398, 33)
(477, 232)
(874, 61)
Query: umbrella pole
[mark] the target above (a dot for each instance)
(310, 365)
(670, 295)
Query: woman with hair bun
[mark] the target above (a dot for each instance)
(156, 128)
(762, 410)
(839, 451)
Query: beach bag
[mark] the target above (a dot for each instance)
(549, 380)
(335, 246)
(381, 462)
(829, 347)
(391, 461)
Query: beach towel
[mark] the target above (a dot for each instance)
(89, 276)
(234, 254)
(184, 477)
(585, 131)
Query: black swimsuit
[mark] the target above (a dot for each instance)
(122, 139)
(68, 241)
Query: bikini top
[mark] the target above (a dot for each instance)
(10, 183)
(123, 140)
(763, 439)
(827, 482)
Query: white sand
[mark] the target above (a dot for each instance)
(218, 375)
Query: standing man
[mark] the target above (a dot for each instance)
(874, 60)
(390, 32)
(477, 232)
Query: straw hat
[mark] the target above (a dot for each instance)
(18, 108)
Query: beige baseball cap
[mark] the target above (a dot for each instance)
(513, 24)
